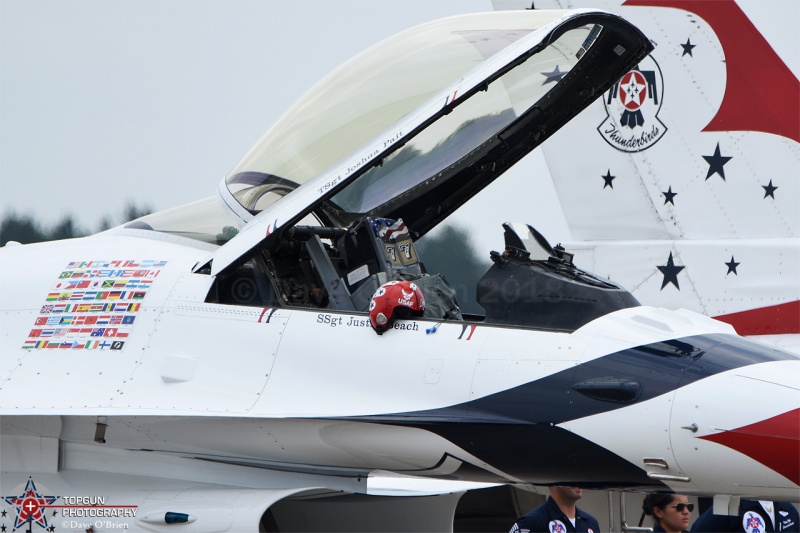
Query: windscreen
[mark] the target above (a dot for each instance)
(375, 89)
(206, 220)
(453, 136)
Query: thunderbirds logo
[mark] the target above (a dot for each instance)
(753, 523)
(632, 107)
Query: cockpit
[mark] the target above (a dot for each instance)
(530, 284)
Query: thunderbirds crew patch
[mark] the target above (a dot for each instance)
(632, 107)
(93, 305)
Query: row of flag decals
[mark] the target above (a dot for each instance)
(93, 305)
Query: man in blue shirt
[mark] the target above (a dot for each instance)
(754, 517)
(559, 514)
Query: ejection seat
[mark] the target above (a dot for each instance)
(366, 255)
(361, 258)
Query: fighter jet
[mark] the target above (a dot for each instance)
(217, 365)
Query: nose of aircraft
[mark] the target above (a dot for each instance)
(743, 413)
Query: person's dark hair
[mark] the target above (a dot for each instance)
(659, 499)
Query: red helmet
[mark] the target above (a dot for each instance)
(395, 299)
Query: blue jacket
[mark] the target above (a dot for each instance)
(751, 519)
(548, 518)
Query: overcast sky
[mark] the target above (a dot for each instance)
(154, 101)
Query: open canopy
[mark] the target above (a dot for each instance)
(417, 125)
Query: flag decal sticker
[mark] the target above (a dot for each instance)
(93, 305)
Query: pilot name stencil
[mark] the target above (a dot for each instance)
(362, 161)
(93, 305)
(359, 322)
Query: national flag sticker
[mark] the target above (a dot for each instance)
(110, 293)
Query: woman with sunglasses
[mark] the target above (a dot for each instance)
(670, 512)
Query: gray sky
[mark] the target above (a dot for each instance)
(107, 101)
(154, 101)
